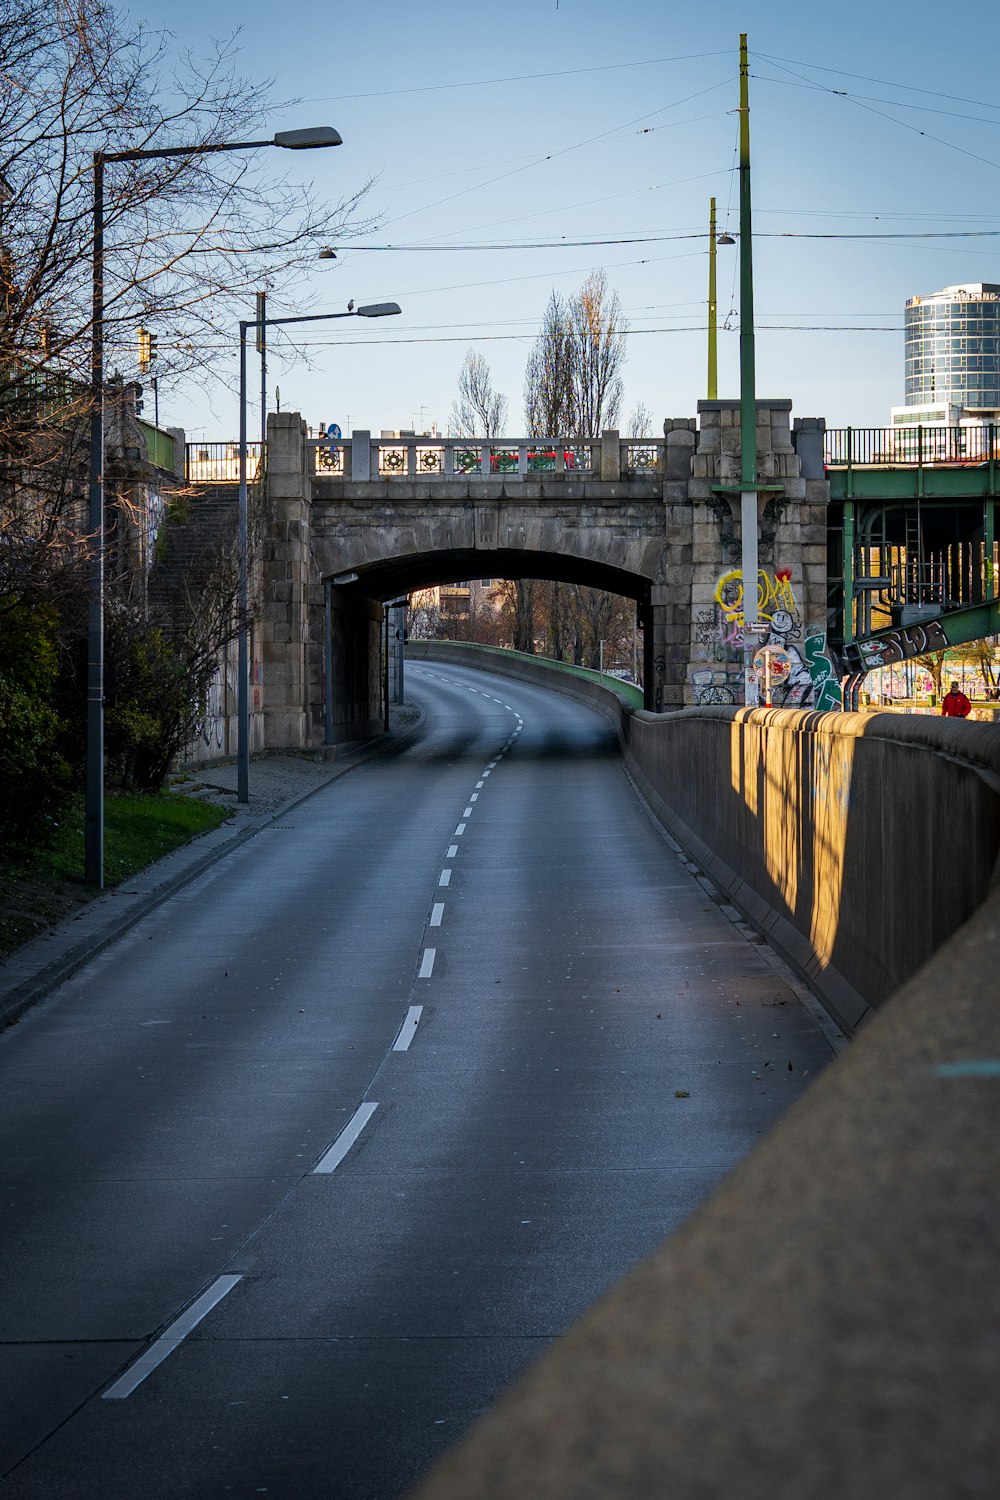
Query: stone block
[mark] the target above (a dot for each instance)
(710, 440)
(701, 467)
(730, 440)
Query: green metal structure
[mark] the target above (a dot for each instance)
(912, 541)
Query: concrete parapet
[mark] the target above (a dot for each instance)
(825, 1324)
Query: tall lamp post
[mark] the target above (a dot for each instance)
(713, 302)
(291, 140)
(371, 310)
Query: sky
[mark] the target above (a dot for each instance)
(570, 120)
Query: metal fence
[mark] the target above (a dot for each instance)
(219, 463)
(892, 447)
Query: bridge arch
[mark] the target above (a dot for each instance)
(343, 539)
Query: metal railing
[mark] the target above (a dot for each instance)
(458, 458)
(917, 446)
(219, 463)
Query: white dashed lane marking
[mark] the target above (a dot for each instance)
(408, 1030)
(445, 878)
(345, 1140)
(168, 1341)
(437, 912)
(427, 963)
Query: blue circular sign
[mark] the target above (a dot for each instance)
(333, 433)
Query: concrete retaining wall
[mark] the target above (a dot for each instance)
(859, 843)
(825, 1324)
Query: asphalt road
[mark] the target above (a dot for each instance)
(304, 1170)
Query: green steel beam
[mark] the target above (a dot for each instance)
(906, 484)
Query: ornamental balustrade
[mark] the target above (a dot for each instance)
(459, 458)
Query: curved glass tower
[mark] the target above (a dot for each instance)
(953, 348)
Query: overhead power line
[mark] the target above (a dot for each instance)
(478, 83)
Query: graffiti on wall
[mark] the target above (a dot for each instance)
(717, 672)
(826, 686)
(211, 726)
(897, 645)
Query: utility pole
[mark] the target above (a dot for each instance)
(748, 398)
(713, 311)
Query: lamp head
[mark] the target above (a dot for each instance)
(379, 310)
(306, 140)
(724, 239)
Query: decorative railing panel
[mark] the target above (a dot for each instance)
(463, 458)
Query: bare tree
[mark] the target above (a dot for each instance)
(598, 347)
(480, 411)
(549, 408)
(187, 238)
(640, 422)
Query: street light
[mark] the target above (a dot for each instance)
(713, 304)
(290, 140)
(370, 310)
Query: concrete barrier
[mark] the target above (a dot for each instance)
(825, 1325)
(858, 843)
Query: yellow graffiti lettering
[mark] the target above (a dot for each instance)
(774, 592)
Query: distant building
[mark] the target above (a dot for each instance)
(952, 356)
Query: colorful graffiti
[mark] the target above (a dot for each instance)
(717, 673)
(898, 645)
(827, 694)
(775, 596)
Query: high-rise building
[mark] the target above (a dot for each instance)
(953, 350)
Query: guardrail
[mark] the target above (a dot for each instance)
(917, 446)
(459, 458)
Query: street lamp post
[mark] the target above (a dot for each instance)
(371, 310)
(291, 140)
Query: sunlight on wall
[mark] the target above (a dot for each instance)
(744, 761)
(831, 797)
(783, 794)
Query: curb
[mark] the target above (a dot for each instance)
(21, 996)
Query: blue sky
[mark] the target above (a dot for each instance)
(626, 128)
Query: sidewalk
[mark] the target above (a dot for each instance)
(277, 784)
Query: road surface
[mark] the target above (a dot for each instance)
(305, 1169)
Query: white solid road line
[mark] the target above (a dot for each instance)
(427, 963)
(437, 912)
(408, 1030)
(168, 1341)
(345, 1140)
(452, 851)
(445, 878)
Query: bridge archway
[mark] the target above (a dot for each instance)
(346, 639)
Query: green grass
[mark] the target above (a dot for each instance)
(47, 885)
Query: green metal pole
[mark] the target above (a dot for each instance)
(713, 312)
(848, 566)
(748, 396)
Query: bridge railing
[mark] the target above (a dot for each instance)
(916, 446)
(458, 458)
(219, 463)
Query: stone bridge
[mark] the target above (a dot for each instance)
(354, 525)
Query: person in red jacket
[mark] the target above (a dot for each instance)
(956, 705)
